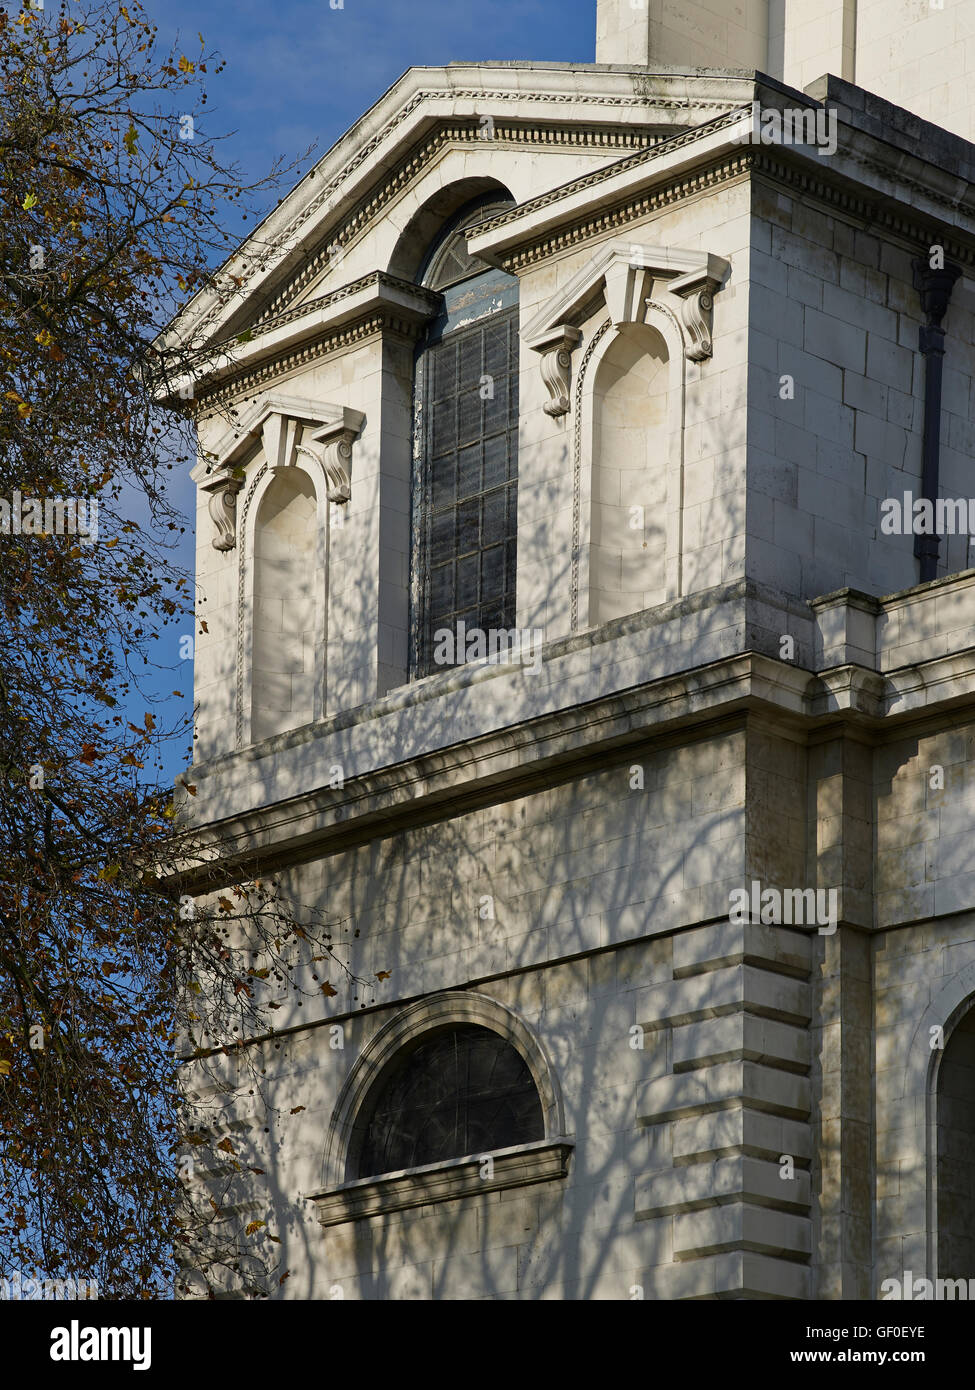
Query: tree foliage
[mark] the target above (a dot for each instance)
(114, 207)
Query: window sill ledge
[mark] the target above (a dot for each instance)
(442, 1182)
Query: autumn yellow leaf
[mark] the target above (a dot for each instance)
(253, 1226)
(328, 991)
(225, 1146)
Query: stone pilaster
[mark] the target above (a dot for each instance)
(840, 790)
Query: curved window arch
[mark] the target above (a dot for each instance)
(465, 474)
(395, 1047)
(447, 260)
(458, 1090)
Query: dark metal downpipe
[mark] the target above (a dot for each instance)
(934, 287)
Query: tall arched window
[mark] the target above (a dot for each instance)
(458, 1090)
(465, 477)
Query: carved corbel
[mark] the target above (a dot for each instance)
(696, 293)
(556, 350)
(222, 505)
(331, 447)
(282, 427)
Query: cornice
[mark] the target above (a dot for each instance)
(614, 217)
(502, 763)
(320, 345)
(842, 192)
(868, 179)
(402, 306)
(427, 301)
(517, 759)
(508, 136)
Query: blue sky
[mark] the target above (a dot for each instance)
(299, 73)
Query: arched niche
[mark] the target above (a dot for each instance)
(659, 301)
(630, 449)
(286, 606)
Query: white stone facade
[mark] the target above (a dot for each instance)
(919, 54)
(742, 681)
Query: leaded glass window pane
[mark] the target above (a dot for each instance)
(462, 1090)
(469, 500)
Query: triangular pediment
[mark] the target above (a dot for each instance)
(624, 275)
(275, 420)
(282, 267)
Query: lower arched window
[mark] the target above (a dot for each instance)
(456, 1091)
(956, 1143)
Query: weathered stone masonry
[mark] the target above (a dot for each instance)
(742, 681)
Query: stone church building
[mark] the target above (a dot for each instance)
(575, 642)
